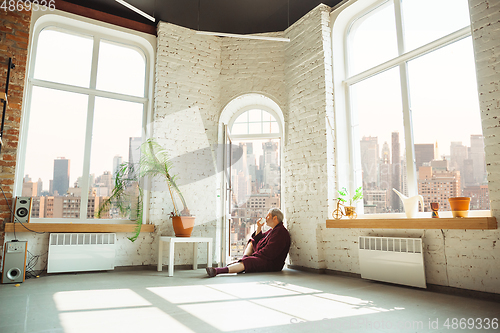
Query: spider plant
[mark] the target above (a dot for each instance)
(344, 195)
(154, 163)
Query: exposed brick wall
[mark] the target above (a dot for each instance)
(253, 66)
(185, 123)
(308, 78)
(14, 35)
(196, 76)
(485, 20)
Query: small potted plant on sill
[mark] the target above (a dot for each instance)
(154, 163)
(349, 211)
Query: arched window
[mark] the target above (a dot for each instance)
(88, 100)
(255, 121)
(407, 103)
(254, 176)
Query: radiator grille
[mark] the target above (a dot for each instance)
(408, 245)
(77, 252)
(391, 259)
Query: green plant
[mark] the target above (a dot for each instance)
(126, 196)
(344, 195)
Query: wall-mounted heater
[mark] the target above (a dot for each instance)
(79, 252)
(390, 259)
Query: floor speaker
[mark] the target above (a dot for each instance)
(22, 209)
(14, 262)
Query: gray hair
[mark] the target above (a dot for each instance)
(276, 212)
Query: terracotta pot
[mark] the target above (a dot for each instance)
(459, 206)
(183, 225)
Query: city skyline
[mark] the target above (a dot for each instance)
(439, 176)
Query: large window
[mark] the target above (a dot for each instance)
(85, 115)
(413, 110)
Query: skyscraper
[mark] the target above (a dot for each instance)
(61, 176)
(424, 153)
(476, 154)
(396, 172)
(369, 161)
(117, 161)
(134, 152)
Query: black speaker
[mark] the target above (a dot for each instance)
(22, 210)
(14, 262)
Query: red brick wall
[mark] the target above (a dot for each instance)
(14, 35)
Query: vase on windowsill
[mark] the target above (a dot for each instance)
(459, 206)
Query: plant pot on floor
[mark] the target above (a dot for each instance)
(459, 206)
(183, 225)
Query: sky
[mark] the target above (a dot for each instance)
(443, 89)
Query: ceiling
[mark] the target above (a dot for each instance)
(231, 16)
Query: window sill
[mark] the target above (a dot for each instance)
(481, 223)
(76, 227)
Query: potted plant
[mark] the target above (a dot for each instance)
(154, 163)
(350, 211)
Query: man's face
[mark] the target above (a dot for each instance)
(270, 219)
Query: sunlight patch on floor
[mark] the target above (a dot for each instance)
(253, 289)
(190, 294)
(237, 315)
(122, 320)
(312, 308)
(97, 299)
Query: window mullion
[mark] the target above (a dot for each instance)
(405, 99)
(88, 136)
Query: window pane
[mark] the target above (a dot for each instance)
(254, 128)
(239, 129)
(121, 69)
(446, 16)
(255, 122)
(63, 57)
(274, 127)
(255, 115)
(242, 118)
(116, 136)
(377, 110)
(447, 126)
(372, 39)
(266, 116)
(54, 152)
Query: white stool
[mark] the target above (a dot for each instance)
(173, 240)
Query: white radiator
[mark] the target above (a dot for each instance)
(75, 252)
(395, 260)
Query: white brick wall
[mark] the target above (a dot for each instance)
(196, 75)
(185, 123)
(309, 91)
(253, 66)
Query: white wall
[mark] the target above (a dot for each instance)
(308, 79)
(196, 76)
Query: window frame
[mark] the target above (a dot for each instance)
(349, 174)
(67, 22)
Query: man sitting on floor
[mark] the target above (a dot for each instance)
(265, 252)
